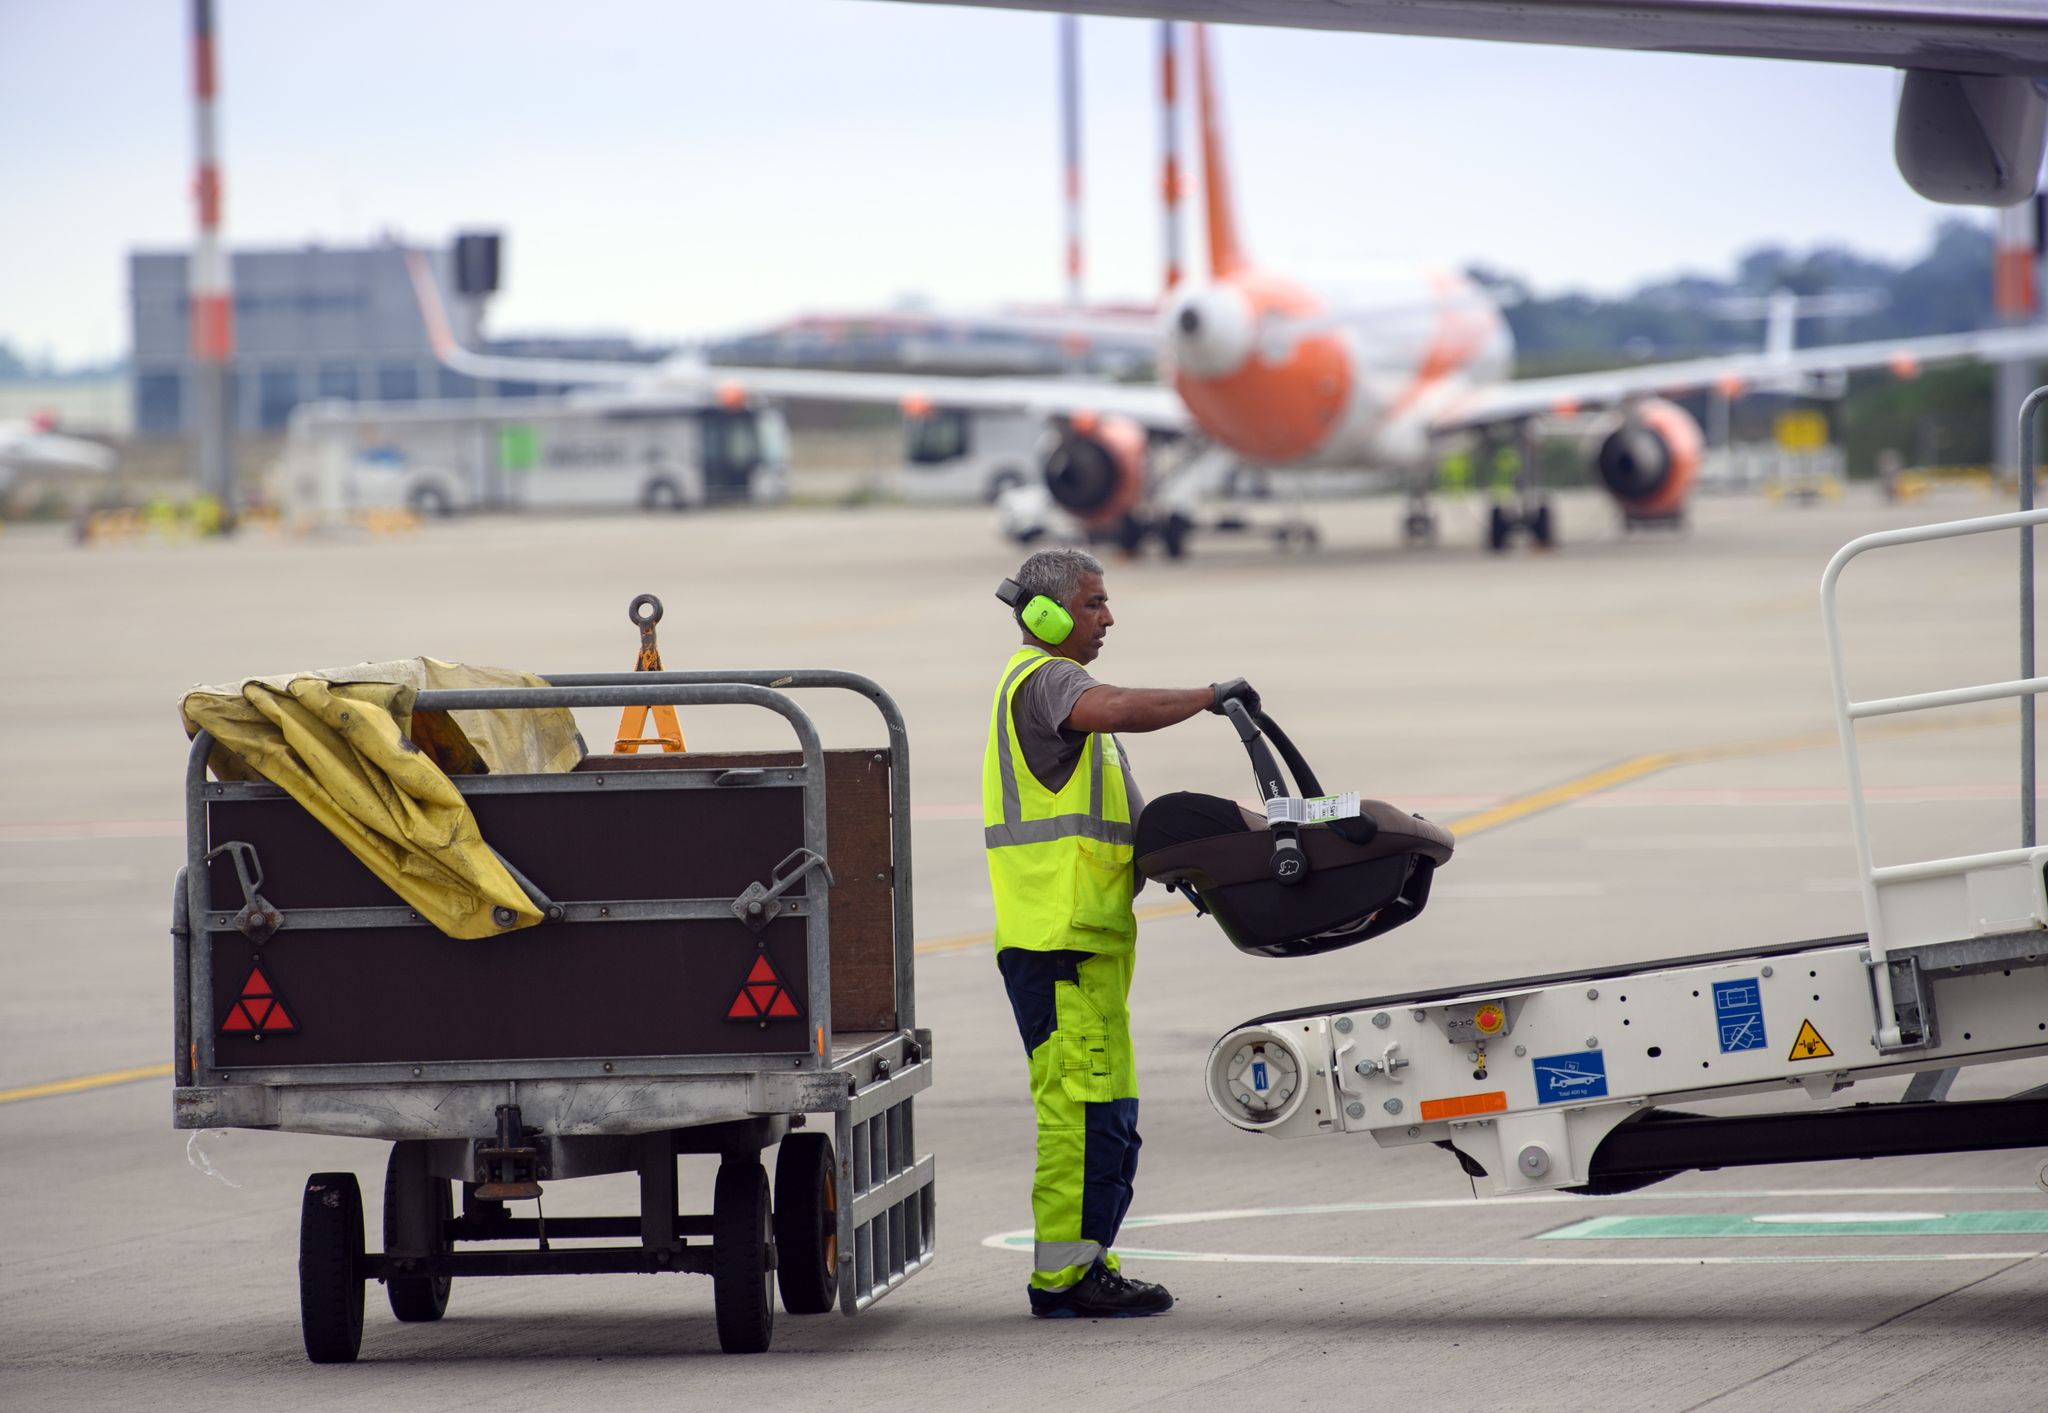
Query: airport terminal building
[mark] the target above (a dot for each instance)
(312, 323)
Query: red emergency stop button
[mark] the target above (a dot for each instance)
(1489, 1019)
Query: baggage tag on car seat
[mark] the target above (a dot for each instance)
(1317, 809)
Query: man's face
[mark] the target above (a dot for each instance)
(1092, 619)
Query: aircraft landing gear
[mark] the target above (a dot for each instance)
(1535, 520)
(1524, 508)
(1418, 523)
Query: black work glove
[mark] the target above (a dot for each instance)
(1236, 689)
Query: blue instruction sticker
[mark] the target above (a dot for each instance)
(1580, 1075)
(1259, 1080)
(1739, 1015)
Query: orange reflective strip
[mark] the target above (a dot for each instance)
(1465, 1105)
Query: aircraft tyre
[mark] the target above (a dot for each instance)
(1418, 527)
(1499, 529)
(1540, 528)
(1173, 534)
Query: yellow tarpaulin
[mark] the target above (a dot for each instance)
(348, 746)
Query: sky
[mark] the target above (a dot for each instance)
(678, 168)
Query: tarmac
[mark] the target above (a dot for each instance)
(1632, 735)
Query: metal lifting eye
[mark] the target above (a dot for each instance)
(648, 602)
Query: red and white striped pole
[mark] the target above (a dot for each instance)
(213, 300)
(1169, 149)
(1070, 138)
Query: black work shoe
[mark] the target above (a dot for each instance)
(1102, 1294)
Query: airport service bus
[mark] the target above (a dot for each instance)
(961, 454)
(579, 452)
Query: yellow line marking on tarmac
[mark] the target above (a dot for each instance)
(85, 1082)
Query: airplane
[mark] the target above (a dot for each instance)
(1973, 110)
(35, 446)
(1278, 374)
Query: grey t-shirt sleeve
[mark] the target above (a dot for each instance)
(1043, 703)
(1050, 749)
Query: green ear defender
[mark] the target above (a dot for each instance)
(1044, 619)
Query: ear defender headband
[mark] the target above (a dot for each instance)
(1043, 618)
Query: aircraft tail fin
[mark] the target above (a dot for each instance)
(1226, 255)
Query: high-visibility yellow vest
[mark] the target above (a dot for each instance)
(1059, 863)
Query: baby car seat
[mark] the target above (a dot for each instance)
(1288, 885)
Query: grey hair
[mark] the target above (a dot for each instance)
(1056, 573)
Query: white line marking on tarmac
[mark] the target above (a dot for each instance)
(1021, 1241)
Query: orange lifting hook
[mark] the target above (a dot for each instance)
(633, 720)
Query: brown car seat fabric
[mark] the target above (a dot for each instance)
(1353, 890)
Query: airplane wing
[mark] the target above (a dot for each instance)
(1961, 36)
(27, 448)
(1973, 120)
(1150, 405)
(1532, 397)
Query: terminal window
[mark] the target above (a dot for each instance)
(277, 393)
(159, 402)
(398, 382)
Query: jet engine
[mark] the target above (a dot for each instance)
(1647, 457)
(1095, 467)
(1210, 331)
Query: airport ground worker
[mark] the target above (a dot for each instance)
(1058, 808)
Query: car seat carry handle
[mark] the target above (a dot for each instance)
(1304, 778)
(1289, 864)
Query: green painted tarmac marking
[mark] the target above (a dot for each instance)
(1718, 1225)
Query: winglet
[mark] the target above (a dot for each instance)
(1226, 256)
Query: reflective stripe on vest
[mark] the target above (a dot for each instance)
(1015, 829)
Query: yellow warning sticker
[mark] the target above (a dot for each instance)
(1809, 1045)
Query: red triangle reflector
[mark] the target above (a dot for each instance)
(763, 995)
(258, 1011)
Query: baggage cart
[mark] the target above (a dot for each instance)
(725, 961)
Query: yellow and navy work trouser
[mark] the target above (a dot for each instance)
(1073, 1012)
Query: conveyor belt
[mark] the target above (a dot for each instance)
(1528, 983)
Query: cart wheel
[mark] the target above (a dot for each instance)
(742, 1273)
(807, 1224)
(417, 1206)
(330, 1268)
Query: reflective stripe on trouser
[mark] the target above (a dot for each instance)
(1073, 1013)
